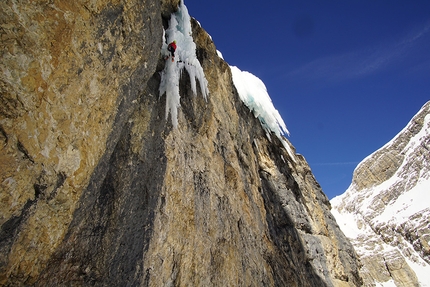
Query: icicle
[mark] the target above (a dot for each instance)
(185, 57)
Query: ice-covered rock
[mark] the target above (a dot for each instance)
(185, 58)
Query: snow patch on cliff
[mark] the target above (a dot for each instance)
(185, 58)
(254, 95)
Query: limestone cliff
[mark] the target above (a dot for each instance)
(98, 188)
(385, 212)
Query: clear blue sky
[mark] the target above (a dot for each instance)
(346, 75)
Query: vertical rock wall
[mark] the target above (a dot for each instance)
(98, 189)
(71, 71)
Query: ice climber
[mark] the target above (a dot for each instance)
(172, 48)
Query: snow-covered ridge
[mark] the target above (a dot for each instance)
(408, 171)
(389, 220)
(412, 142)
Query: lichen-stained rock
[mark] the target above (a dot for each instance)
(168, 7)
(71, 72)
(99, 189)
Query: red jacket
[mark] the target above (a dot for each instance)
(172, 46)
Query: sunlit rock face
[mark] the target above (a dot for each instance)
(385, 211)
(98, 188)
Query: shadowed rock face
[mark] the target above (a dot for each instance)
(99, 189)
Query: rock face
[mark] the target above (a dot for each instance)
(385, 211)
(97, 188)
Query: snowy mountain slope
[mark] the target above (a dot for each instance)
(386, 210)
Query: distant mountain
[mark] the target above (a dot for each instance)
(386, 210)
